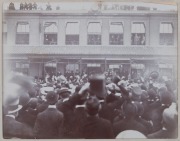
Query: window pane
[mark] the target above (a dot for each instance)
(116, 39)
(94, 39)
(94, 28)
(22, 38)
(22, 67)
(4, 27)
(72, 39)
(166, 39)
(72, 28)
(138, 39)
(23, 27)
(50, 27)
(166, 34)
(72, 67)
(138, 34)
(4, 37)
(50, 39)
(116, 28)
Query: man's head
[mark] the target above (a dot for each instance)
(129, 110)
(64, 93)
(92, 106)
(52, 97)
(170, 118)
(165, 97)
(136, 92)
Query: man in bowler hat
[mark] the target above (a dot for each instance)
(49, 123)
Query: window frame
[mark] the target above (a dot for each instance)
(22, 33)
(4, 33)
(72, 34)
(116, 33)
(173, 33)
(100, 22)
(46, 33)
(144, 23)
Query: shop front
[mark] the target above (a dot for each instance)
(129, 68)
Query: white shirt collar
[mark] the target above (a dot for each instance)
(164, 128)
(52, 106)
(11, 116)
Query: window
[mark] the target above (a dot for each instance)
(22, 67)
(116, 34)
(22, 33)
(4, 33)
(72, 67)
(50, 33)
(72, 33)
(166, 34)
(94, 33)
(138, 34)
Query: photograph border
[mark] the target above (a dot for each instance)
(151, 1)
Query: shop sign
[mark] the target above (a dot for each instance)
(22, 65)
(137, 66)
(165, 66)
(51, 64)
(93, 65)
(113, 66)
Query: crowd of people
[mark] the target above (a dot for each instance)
(97, 106)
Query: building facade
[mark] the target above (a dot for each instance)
(131, 43)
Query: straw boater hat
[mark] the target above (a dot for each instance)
(44, 90)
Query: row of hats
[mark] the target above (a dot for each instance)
(45, 90)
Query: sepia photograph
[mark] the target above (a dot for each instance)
(89, 70)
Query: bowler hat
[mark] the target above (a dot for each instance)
(116, 79)
(63, 90)
(165, 98)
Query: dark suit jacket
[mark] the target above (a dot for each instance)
(15, 129)
(129, 124)
(49, 124)
(67, 108)
(42, 106)
(147, 124)
(97, 128)
(27, 117)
